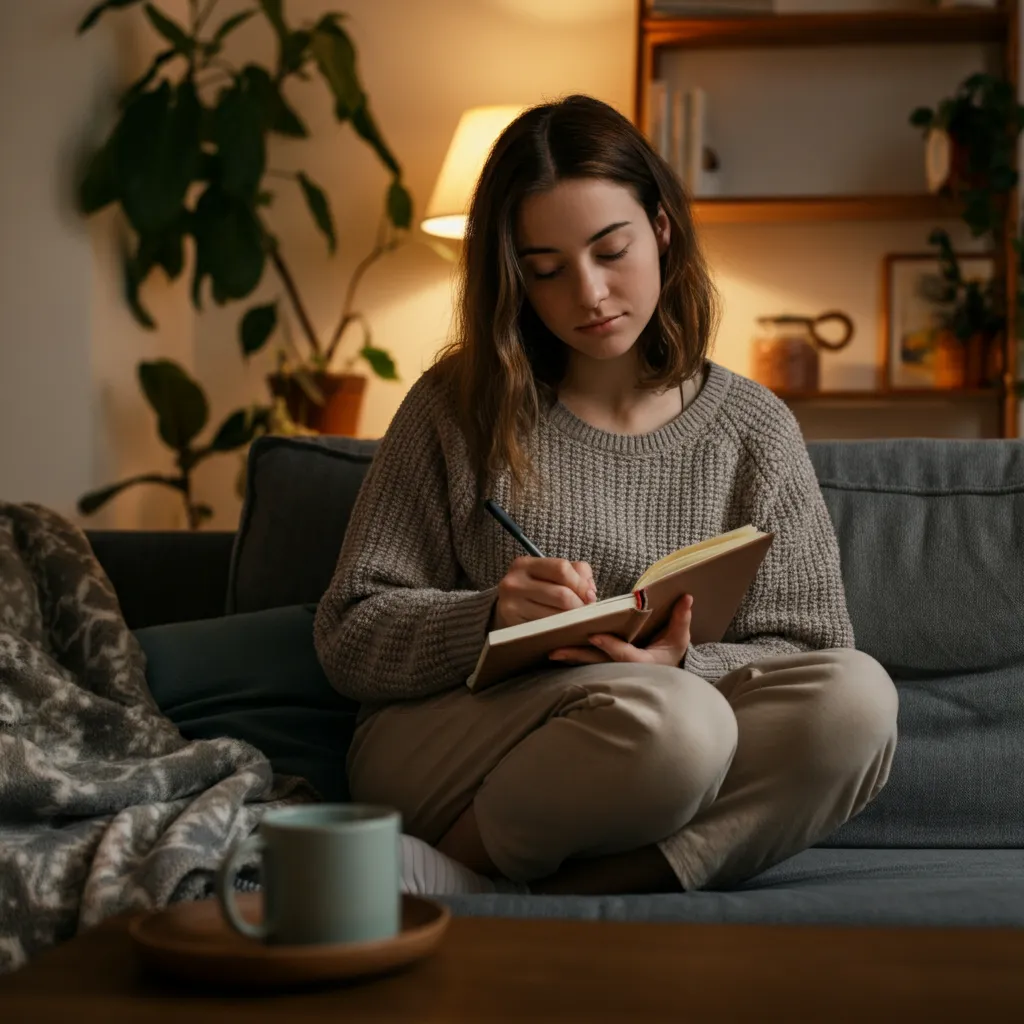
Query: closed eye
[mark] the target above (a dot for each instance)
(607, 256)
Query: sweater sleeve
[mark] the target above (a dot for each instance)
(396, 621)
(797, 601)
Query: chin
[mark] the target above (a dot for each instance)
(604, 350)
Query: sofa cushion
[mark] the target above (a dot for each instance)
(955, 774)
(933, 888)
(931, 533)
(254, 677)
(299, 494)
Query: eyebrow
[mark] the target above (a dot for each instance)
(540, 250)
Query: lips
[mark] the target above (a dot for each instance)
(598, 323)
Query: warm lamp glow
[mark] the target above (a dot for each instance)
(477, 130)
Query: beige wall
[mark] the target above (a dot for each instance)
(70, 414)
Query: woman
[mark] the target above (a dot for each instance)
(577, 392)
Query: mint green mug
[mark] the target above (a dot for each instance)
(330, 873)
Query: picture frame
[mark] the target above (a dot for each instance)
(910, 320)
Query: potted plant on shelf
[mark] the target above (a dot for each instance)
(967, 353)
(970, 140)
(187, 162)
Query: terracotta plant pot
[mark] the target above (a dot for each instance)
(959, 365)
(343, 401)
(950, 362)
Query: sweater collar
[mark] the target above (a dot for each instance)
(687, 425)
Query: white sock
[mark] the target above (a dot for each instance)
(426, 871)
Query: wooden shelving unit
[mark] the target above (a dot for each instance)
(999, 28)
(848, 28)
(891, 394)
(794, 209)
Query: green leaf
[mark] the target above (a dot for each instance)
(99, 185)
(229, 26)
(97, 12)
(95, 500)
(336, 57)
(316, 200)
(143, 83)
(229, 246)
(179, 402)
(922, 117)
(168, 249)
(134, 269)
(381, 363)
(277, 115)
(257, 326)
(235, 432)
(157, 154)
(366, 127)
(274, 10)
(238, 133)
(399, 205)
(293, 50)
(170, 30)
(287, 122)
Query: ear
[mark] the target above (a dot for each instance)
(662, 230)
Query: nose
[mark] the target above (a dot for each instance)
(593, 288)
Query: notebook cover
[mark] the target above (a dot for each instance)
(718, 586)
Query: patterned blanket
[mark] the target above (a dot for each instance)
(104, 807)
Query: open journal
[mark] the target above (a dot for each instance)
(717, 572)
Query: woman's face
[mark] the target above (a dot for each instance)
(590, 254)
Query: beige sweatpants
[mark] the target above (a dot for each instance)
(728, 778)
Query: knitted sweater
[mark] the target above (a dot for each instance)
(408, 609)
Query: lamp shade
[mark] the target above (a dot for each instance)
(476, 132)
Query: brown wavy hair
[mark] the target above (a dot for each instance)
(502, 360)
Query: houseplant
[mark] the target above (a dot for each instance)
(972, 321)
(187, 162)
(971, 137)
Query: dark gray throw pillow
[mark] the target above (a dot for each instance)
(298, 498)
(255, 677)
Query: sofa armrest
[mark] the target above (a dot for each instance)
(163, 576)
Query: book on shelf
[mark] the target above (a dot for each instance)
(677, 121)
(716, 572)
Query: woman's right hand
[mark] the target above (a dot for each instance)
(535, 587)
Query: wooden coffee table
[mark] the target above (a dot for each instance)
(495, 970)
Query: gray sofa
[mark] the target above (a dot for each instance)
(932, 540)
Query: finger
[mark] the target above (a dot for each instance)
(526, 608)
(617, 649)
(587, 574)
(678, 625)
(578, 656)
(559, 571)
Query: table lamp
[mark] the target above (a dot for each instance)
(476, 132)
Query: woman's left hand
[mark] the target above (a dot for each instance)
(667, 648)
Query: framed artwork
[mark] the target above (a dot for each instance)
(912, 316)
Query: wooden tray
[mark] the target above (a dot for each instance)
(193, 942)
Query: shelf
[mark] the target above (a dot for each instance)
(783, 209)
(843, 29)
(869, 395)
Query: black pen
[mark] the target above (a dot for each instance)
(512, 526)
